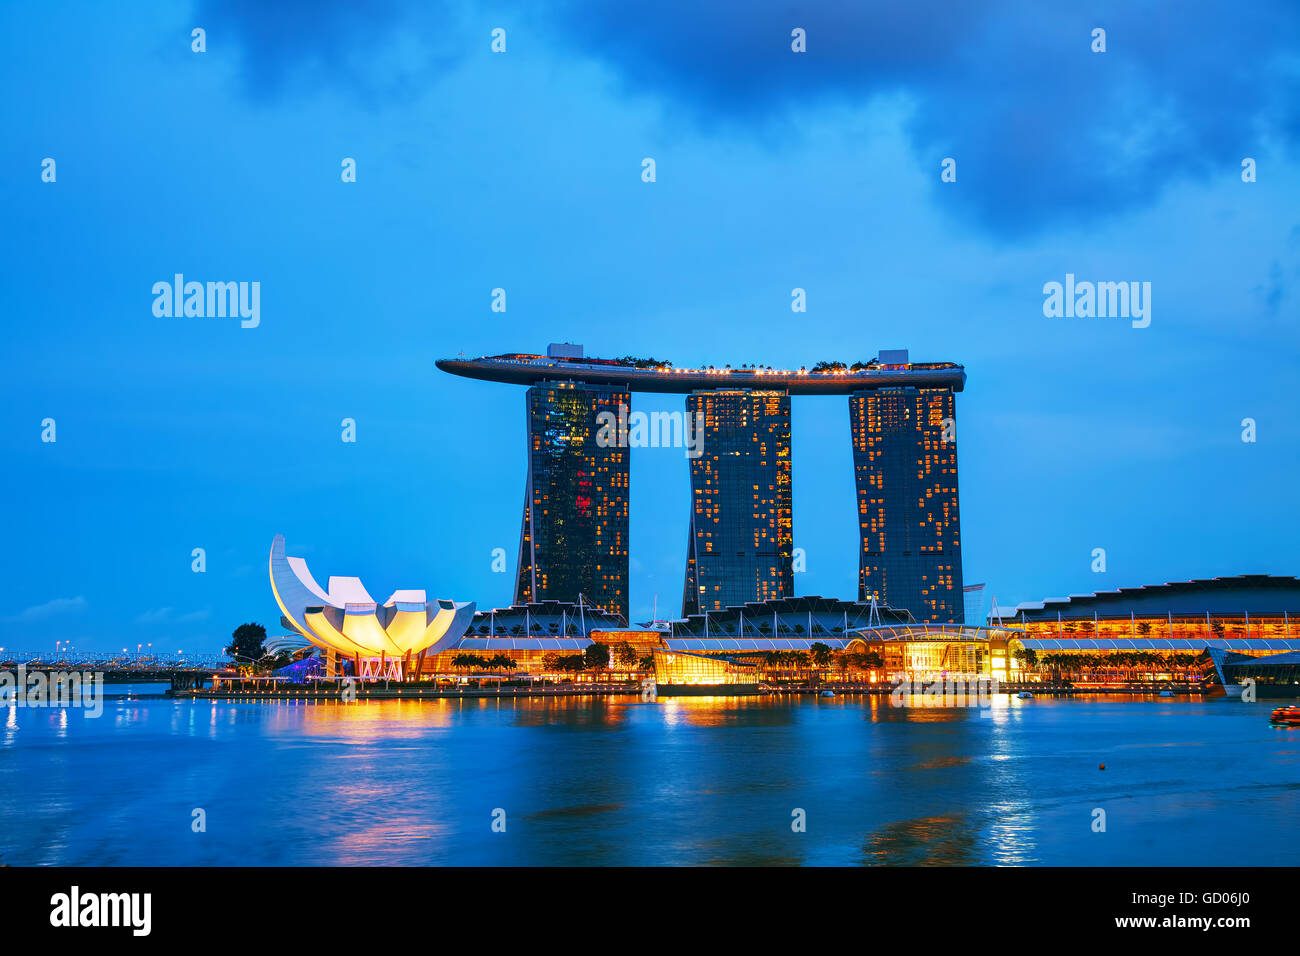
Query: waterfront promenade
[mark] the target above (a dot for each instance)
(253, 689)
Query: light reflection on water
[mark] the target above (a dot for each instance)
(619, 781)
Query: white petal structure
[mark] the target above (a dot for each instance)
(344, 617)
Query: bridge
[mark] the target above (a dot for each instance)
(181, 673)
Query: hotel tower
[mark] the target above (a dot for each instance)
(575, 527)
(739, 546)
(905, 469)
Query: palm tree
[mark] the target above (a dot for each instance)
(801, 660)
(821, 654)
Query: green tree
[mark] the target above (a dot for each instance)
(821, 655)
(596, 656)
(273, 662)
(627, 655)
(1026, 657)
(248, 641)
(643, 362)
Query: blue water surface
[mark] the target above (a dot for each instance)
(619, 781)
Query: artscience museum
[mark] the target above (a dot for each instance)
(388, 639)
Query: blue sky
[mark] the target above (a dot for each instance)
(522, 170)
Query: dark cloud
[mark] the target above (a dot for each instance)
(1045, 132)
(379, 51)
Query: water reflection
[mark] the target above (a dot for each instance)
(1011, 834)
(925, 841)
(586, 810)
(723, 711)
(940, 762)
(619, 781)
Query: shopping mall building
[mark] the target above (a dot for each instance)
(1248, 614)
(1156, 632)
(1159, 630)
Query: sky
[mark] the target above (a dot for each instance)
(522, 170)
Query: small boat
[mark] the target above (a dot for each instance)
(827, 693)
(1025, 695)
(1166, 693)
(1288, 716)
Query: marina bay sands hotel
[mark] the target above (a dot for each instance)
(574, 538)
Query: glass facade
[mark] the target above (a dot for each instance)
(739, 545)
(1238, 630)
(680, 667)
(574, 538)
(906, 476)
(927, 660)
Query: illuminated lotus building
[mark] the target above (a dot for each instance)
(574, 542)
(389, 639)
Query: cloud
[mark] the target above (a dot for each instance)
(167, 615)
(381, 51)
(1045, 132)
(41, 612)
(1274, 291)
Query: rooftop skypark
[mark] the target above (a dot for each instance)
(889, 367)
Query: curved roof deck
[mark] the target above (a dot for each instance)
(1257, 644)
(1255, 594)
(531, 369)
